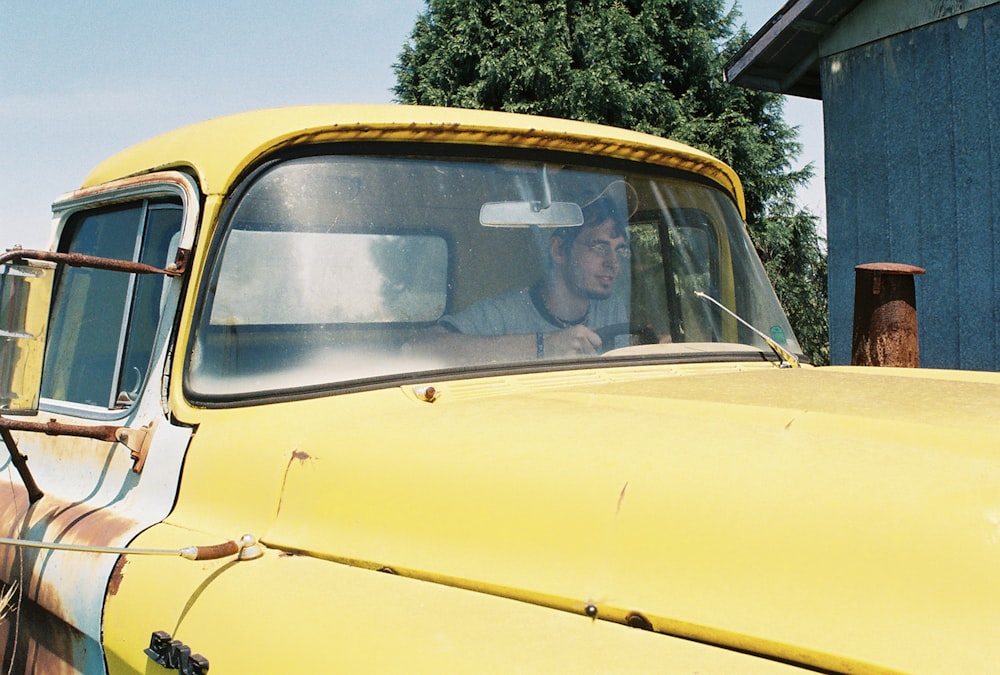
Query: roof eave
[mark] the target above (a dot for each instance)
(783, 56)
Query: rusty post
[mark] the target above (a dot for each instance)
(885, 315)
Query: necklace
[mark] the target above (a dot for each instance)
(538, 298)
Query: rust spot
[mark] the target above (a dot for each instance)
(636, 620)
(299, 456)
(55, 520)
(116, 575)
(75, 525)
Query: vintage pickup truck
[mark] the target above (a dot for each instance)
(266, 411)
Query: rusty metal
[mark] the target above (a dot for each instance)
(103, 432)
(51, 428)
(21, 464)
(82, 260)
(64, 590)
(885, 315)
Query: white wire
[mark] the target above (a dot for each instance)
(83, 548)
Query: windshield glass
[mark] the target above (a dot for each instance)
(345, 268)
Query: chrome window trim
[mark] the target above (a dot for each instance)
(160, 184)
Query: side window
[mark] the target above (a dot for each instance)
(682, 242)
(103, 323)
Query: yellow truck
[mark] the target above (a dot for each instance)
(406, 389)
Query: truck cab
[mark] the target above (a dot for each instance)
(392, 388)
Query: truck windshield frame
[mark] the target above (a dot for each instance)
(330, 271)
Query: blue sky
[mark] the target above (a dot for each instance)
(80, 81)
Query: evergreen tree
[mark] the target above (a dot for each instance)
(649, 65)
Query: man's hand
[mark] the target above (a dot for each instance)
(572, 341)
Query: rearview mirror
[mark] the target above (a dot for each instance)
(530, 214)
(25, 297)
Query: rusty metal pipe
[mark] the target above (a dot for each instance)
(104, 432)
(885, 315)
(82, 260)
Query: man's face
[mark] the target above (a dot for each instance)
(594, 261)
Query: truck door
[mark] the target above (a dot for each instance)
(106, 363)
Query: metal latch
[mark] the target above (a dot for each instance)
(137, 441)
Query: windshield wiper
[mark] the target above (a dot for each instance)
(786, 358)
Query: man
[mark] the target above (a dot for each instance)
(559, 315)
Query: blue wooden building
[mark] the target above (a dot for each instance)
(911, 108)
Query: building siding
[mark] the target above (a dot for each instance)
(913, 176)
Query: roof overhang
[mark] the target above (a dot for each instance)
(783, 56)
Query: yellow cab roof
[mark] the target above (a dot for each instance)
(217, 151)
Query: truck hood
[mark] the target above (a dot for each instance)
(840, 518)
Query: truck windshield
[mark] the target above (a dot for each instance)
(363, 269)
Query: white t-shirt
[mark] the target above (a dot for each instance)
(522, 312)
